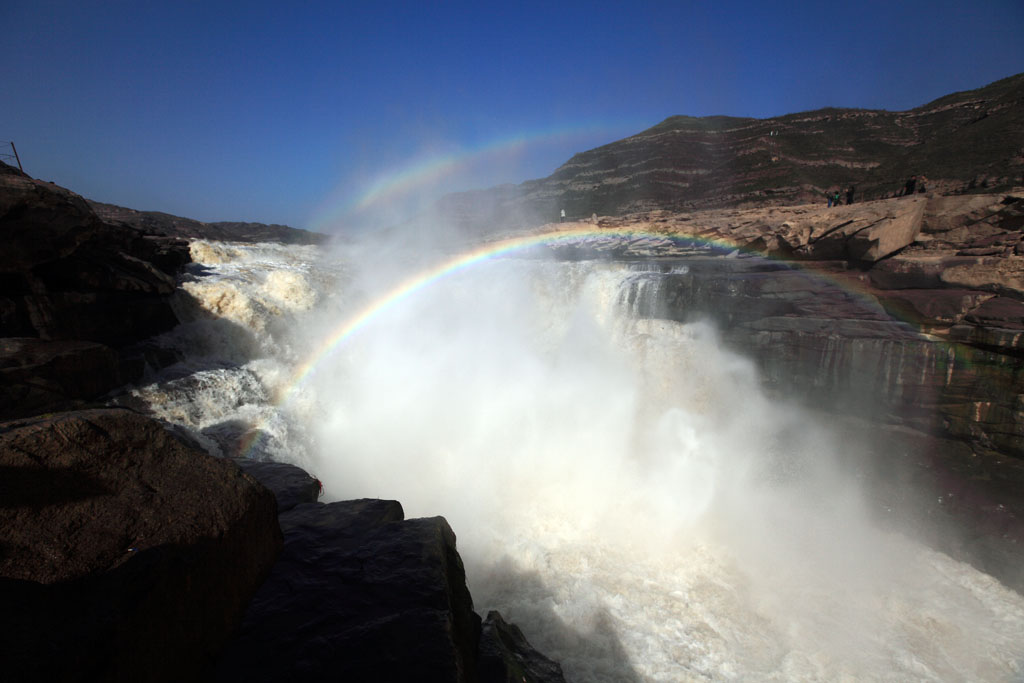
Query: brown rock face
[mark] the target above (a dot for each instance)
(125, 554)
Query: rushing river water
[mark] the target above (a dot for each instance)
(621, 488)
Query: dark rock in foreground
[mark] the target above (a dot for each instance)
(125, 554)
(359, 595)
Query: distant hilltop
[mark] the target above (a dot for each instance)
(963, 142)
(187, 228)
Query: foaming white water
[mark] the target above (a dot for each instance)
(621, 488)
(238, 304)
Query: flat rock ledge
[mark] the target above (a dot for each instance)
(125, 553)
(360, 593)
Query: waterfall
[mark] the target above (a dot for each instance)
(621, 485)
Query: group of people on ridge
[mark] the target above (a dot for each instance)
(835, 198)
(915, 184)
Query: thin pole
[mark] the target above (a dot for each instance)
(16, 157)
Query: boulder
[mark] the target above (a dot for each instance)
(949, 213)
(125, 554)
(291, 485)
(358, 594)
(897, 230)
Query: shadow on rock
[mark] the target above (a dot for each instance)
(35, 487)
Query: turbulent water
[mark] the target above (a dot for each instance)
(620, 487)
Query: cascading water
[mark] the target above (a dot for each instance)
(620, 486)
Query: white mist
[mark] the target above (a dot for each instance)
(622, 490)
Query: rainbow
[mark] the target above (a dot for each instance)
(569, 236)
(470, 258)
(431, 170)
(461, 262)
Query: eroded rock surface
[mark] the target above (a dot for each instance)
(125, 554)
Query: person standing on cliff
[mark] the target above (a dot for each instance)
(828, 196)
(849, 195)
(835, 198)
(908, 189)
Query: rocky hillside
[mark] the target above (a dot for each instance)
(962, 142)
(187, 228)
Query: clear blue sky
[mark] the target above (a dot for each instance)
(301, 113)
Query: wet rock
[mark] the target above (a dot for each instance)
(358, 594)
(507, 657)
(125, 554)
(291, 485)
